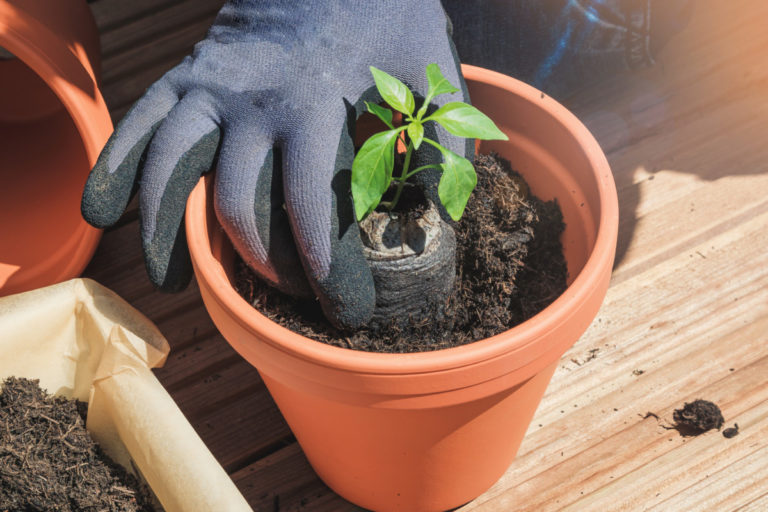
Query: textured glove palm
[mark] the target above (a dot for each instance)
(269, 98)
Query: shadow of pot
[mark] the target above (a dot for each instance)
(53, 124)
(431, 431)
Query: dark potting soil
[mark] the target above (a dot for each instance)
(509, 266)
(49, 462)
(697, 417)
(411, 205)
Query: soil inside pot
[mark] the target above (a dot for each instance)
(48, 461)
(509, 266)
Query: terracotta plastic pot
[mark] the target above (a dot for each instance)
(53, 124)
(431, 431)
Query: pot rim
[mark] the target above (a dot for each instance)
(515, 339)
(65, 69)
(68, 71)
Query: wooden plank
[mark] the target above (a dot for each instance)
(118, 264)
(700, 459)
(163, 18)
(684, 312)
(119, 248)
(607, 382)
(619, 471)
(224, 380)
(189, 364)
(742, 481)
(758, 505)
(110, 14)
(244, 429)
(285, 481)
(190, 330)
(173, 43)
(226, 401)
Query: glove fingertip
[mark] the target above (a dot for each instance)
(105, 198)
(348, 295)
(169, 270)
(110, 188)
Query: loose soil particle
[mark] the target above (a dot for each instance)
(510, 266)
(697, 417)
(48, 461)
(731, 432)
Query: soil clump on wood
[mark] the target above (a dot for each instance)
(48, 461)
(697, 417)
(509, 267)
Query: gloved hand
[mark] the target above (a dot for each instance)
(270, 97)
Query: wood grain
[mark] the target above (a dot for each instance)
(686, 315)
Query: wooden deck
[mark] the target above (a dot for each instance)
(686, 315)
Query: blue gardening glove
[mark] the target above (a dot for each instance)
(269, 98)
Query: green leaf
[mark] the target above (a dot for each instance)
(393, 91)
(466, 121)
(456, 184)
(457, 181)
(416, 133)
(438, 84)
(372, 171)
(382, 113)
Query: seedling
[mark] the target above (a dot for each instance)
(374, 163)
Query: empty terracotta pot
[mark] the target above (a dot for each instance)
(53, 124)
(431, 431)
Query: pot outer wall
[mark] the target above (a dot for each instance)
(432, 431)
(49, 99)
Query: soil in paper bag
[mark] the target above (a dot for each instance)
(48, 461)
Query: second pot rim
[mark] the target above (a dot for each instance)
(516, 339)
(70, 73)
(70, 78)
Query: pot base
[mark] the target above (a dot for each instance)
(426, 460)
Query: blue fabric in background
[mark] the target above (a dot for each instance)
(560, 46)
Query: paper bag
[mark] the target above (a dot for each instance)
(83, 341)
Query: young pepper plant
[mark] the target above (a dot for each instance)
(373, 166)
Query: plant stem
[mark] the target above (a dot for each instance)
(422, 168)
(403, 176)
